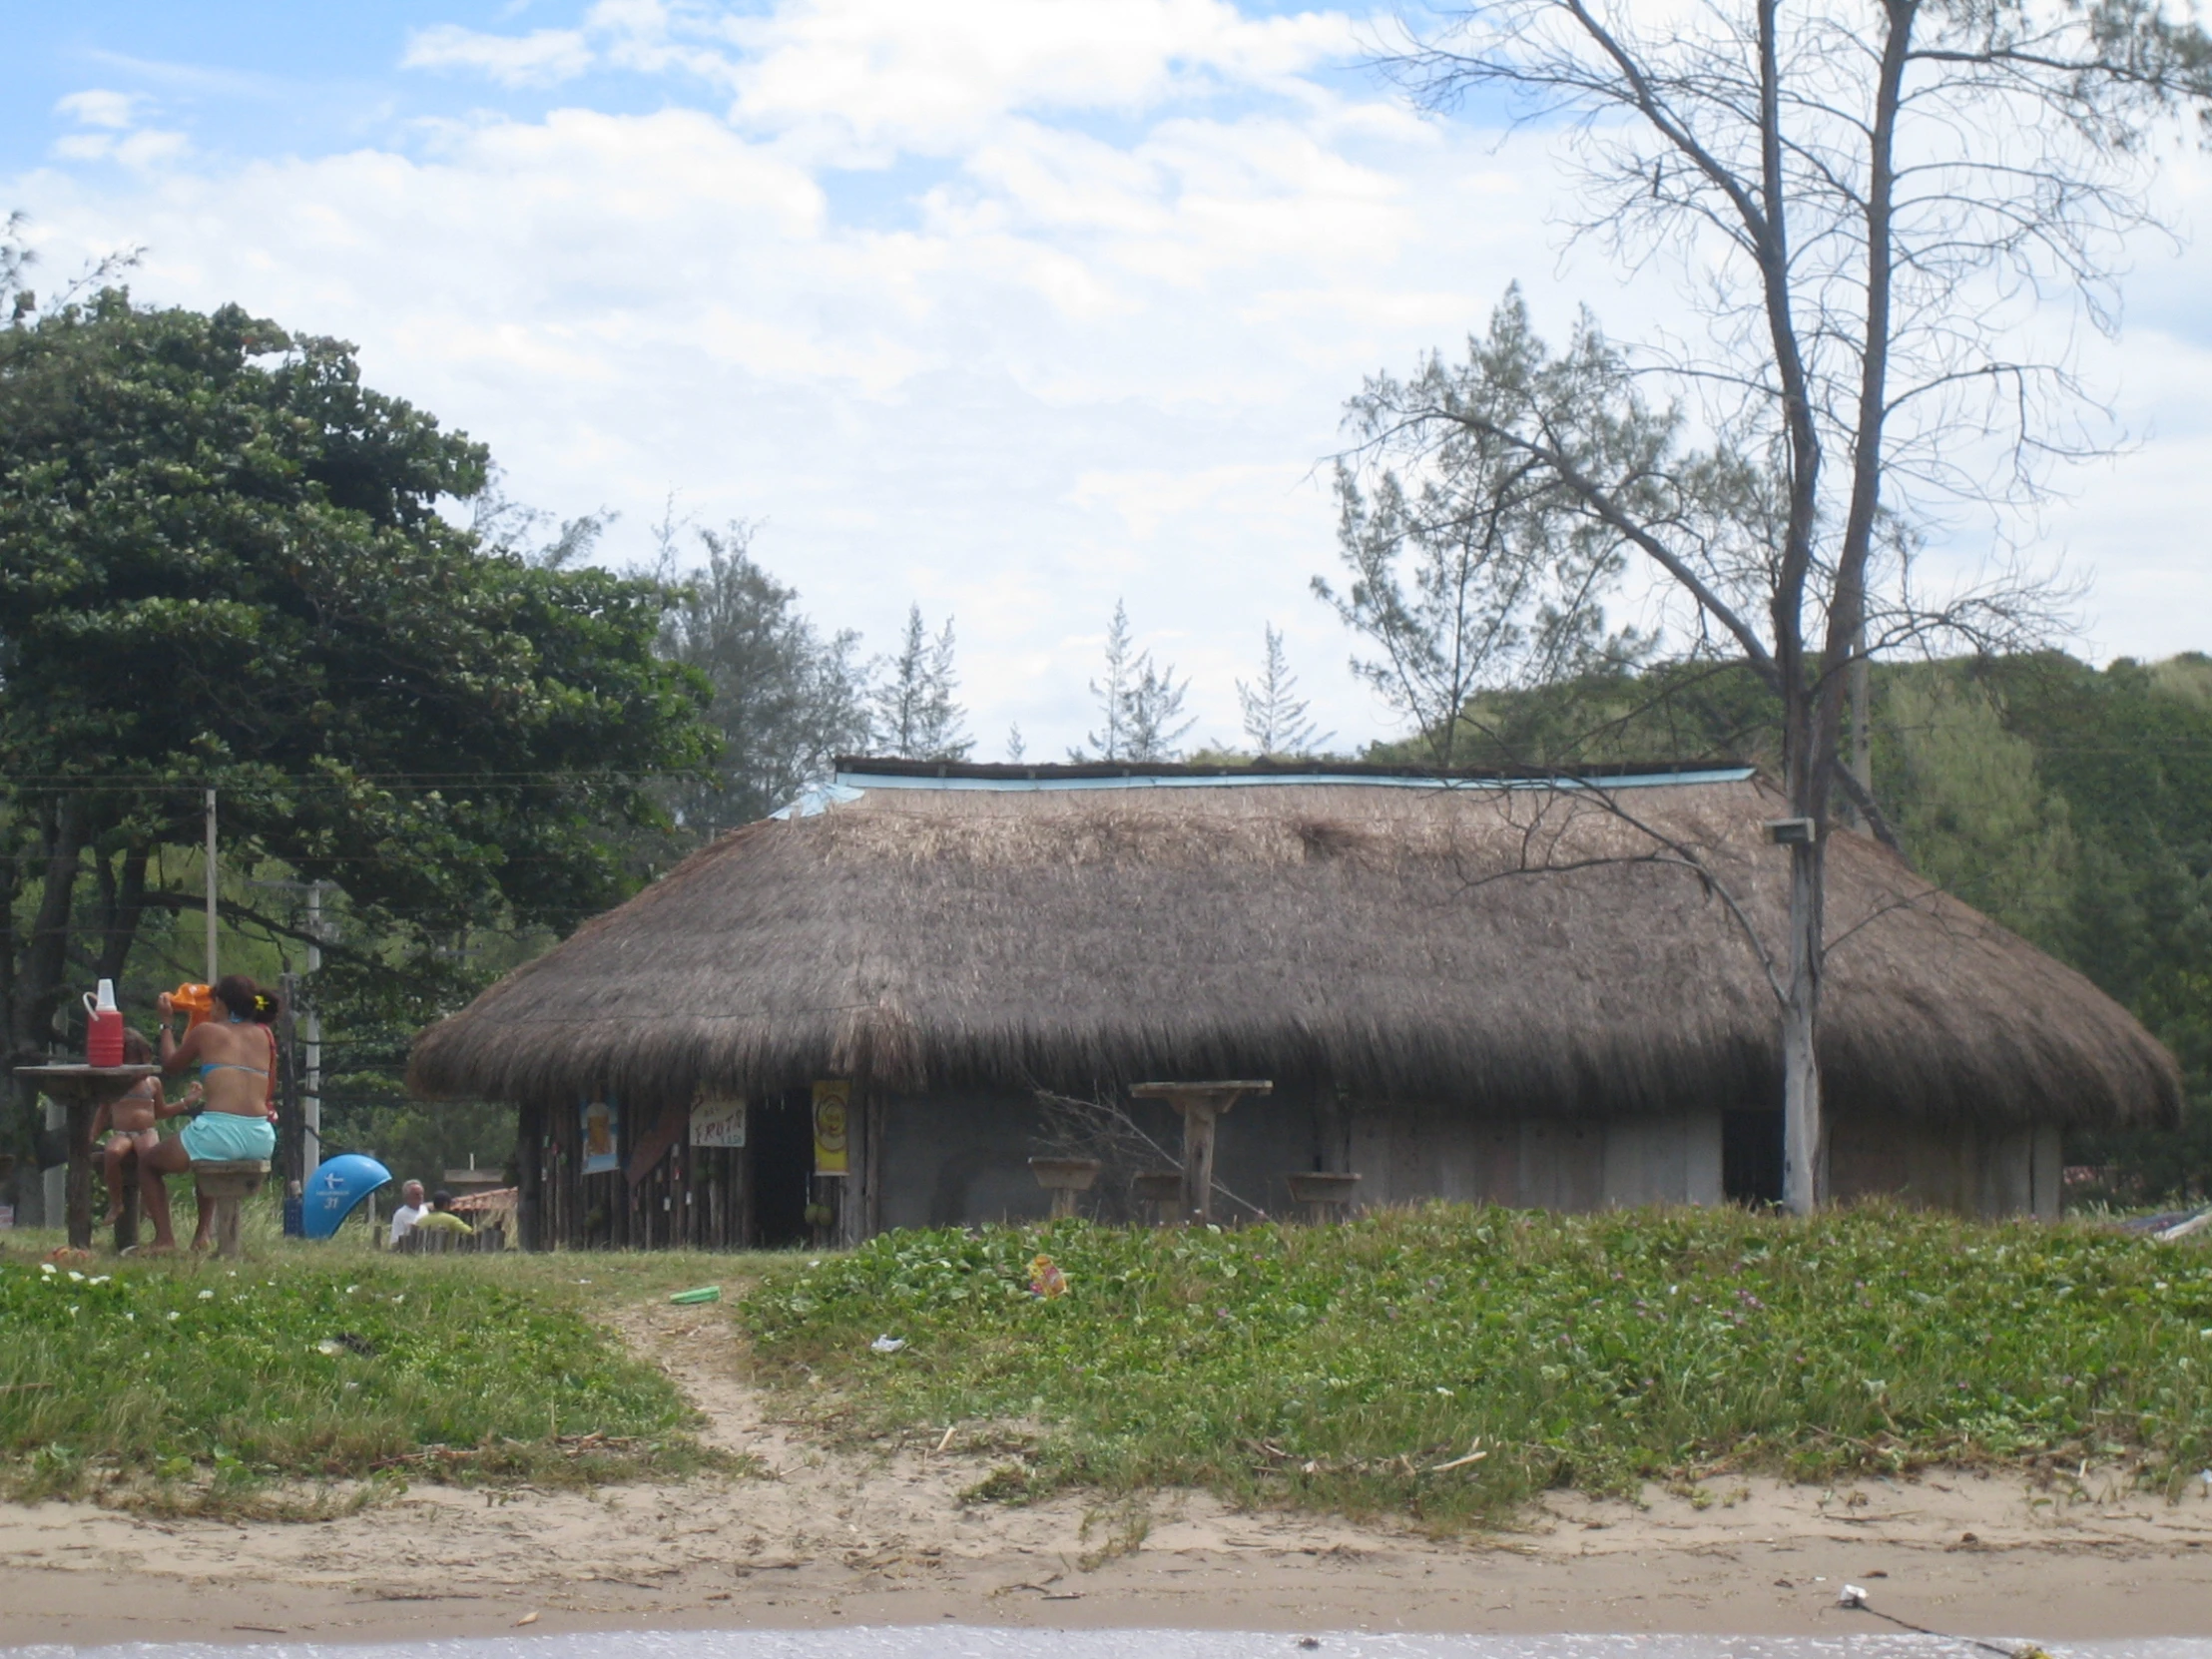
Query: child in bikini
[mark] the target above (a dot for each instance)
(130, 1119)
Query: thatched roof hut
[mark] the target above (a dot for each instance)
(1547, 947)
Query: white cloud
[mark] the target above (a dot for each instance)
(109, 132)
(98, 107)
(932, 76)
(542, 58)
(1092, 349)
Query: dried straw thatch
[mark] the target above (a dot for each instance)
(1523, 949)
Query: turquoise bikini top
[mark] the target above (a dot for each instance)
(207, 1066)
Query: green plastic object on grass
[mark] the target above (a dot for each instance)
(705, 1293)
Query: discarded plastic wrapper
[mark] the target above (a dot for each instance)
(1046, 1279)
(1851, 1595)
(886, 1345)
(705, 1293)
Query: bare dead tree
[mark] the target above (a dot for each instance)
(1892, 219)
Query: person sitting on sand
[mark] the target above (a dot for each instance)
(131, 1117)
(409, 1212)
(235, 1051)
(441, 1218)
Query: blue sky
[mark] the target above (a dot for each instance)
(1011, 308)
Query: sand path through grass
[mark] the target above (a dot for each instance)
(839, 1530)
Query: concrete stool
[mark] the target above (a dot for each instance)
(1064, 1178)
(225, 1185)
(1325, 1196)
(1160, 1191)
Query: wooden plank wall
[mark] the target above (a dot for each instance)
(692, 1198)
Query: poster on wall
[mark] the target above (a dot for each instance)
(718, 1122)
(602, 1127)
(831, 1101)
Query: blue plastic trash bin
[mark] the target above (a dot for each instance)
(335, 1187)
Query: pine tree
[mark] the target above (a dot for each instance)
(1141, 702)
(938, 736)
(1154, 721)
(1275, 716)
(1112, 692)
(915, 716)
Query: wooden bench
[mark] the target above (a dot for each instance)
(441, 1241)
(225, 1185)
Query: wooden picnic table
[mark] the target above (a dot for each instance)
(81, 1091)
(1200, 1105)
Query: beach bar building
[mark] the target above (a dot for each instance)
(1538, 990)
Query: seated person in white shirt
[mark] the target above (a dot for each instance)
(410, 1211)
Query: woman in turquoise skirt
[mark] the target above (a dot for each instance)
(235, 1053)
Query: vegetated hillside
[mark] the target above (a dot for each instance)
(2073, 804)
(1448, 1362)
(188, 1386)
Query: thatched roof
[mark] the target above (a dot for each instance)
(1514, 948)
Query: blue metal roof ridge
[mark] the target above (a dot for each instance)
(850, 785)
(859, 780)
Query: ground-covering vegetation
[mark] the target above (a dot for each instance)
(1448, 1362)
(222, 1387)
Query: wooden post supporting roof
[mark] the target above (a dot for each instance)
(1200, 1105)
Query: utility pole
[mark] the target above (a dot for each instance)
(311, 1042)
(211, 973)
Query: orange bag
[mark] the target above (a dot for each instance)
(197, 1001)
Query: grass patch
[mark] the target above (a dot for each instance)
(195, 1386)
(1448, 1362)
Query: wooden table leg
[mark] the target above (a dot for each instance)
(78, 1204)
(1198, 1160)
(126, 1216)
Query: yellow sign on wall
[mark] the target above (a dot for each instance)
(832, 1099)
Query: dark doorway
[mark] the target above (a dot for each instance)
(1750, 1156)
(783, 1134)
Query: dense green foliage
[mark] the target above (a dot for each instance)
(1339, 1366)
(785, 699)
(226, 562)
(172, 1373)
(2107, 862)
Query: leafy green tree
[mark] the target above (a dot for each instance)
(2129, 750)
(1473, 566)
(1970, 804)
(223, 564)
(785, 700)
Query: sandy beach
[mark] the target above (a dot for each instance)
(881, 1538)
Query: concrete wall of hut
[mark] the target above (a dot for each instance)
(1974, 1169)
(960, 1157)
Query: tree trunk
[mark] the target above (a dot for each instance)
(1803, 1170)
(45, 960)
(125, 903)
